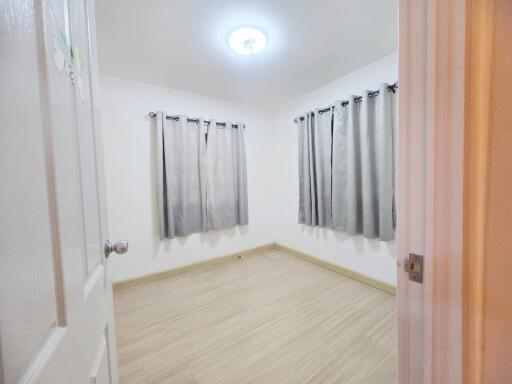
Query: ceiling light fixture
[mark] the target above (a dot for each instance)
(247, 41)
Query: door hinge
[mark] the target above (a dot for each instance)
(414, 266)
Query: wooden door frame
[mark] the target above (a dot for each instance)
(432, 113)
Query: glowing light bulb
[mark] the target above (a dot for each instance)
(247, 41)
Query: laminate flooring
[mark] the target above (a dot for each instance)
(268, 318)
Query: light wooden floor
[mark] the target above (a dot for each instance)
(269, 318)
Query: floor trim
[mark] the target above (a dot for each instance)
(129, 283)
(381, 285)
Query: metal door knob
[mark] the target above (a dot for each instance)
(119, 247)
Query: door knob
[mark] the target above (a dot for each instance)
(119, 247)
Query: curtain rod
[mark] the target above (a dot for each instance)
(151, 115)
(357, 99)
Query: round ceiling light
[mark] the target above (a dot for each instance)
(247, 41)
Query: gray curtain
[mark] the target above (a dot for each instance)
(315, 141)
(202, 175)
(181, 151)
(362, 166)
(227, 176)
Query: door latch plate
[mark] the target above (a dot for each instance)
(414, 266)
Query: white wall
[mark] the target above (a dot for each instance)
(373, 258)
(271, 140)
(129, 142)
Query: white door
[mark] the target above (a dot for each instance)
(56, 317)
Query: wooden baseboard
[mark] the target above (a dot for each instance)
(123, 284)
(336, 268)
(254, 251)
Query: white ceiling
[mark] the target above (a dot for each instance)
(182, 44)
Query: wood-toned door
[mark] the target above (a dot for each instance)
(430, 201)
(55, 299)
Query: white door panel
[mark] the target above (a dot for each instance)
(100, 372)
(55, 299)
(85, 120)
(28, 302)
